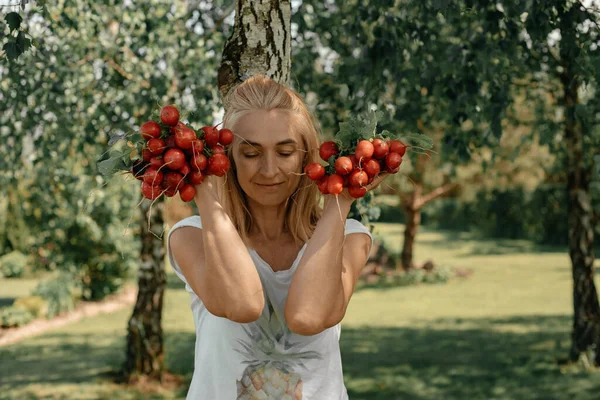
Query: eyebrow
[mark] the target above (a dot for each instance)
(287, 141)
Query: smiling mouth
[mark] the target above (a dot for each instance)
(274, 184)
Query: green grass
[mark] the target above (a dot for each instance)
(494, 335)
(12, 288)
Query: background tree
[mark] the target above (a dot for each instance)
(433, 62)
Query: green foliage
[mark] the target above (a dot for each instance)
(35, 305)
(12, 316)
(13, 264)
(59, 292)
(539, 216)
(100, 70)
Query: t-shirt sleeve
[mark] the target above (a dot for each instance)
(355, 226)
(189, 221)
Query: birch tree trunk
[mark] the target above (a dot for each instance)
(586, 316)
(260, 44)
(145, 351)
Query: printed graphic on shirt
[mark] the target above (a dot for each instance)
(269, 373)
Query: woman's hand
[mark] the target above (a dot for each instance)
(208, 187)
(345, 195)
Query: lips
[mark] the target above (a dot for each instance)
(270, 184)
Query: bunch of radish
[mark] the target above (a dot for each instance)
(355, 167)
(175, 158)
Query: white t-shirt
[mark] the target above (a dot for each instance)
(263, 359)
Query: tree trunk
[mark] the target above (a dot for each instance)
(260, 44)
(586, 315)
(145, 352)
(586, 321)
(413, 220)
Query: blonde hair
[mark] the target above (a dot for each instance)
(302, 209)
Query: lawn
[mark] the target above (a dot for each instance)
(494, 335)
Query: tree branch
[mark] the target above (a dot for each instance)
(124, 73)
(434, 194)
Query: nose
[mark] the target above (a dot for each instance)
(269, 167)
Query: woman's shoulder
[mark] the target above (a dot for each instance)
(354, 225)
(193, 221)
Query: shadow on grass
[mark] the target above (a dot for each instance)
(481, 246)
(63, 360)
(496, 358)
(6, 301)
(464, 359)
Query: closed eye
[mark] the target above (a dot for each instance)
(255, 155)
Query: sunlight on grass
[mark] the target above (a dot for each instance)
(494, 335)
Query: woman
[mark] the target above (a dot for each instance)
(270, 272)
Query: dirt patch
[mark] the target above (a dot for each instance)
(84, 309)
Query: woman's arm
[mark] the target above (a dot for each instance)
(328, 270)
(216, 264)
(316, 292)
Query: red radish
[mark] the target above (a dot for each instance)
(184, 138)
(149, 191)
(345, 178)
(335, 184)
(197, 146)
(380, 148)
(225, 137)
(364, 149)
(157, 162)
(150, 130)
(322, 185)
(218, 149)
(218, 164)
(211, 136)
(185, 170)
(173, 179)
(355, 163)
(314, 171)
(170, 192)
(393, 160)
(357, 192)
(343, 165)
(358, 178)
(174, 158)
(397, 146)
(372, 167)
(146, 155)
(138, 168)
(187, 193)
(153, 176)
(169, 115)
(156, 146)
(198, 162)
(196, 177)
(392, 170)
(180, 125)
(170, 142)
(327, 150)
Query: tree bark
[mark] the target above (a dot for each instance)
(586, 321)
(586, 316)
(260, 44)
(145, 351)
(413, 220)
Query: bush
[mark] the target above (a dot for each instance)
(438, 275)
(59, 293)
(36, 305)
(14, 316)
(13, 264)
